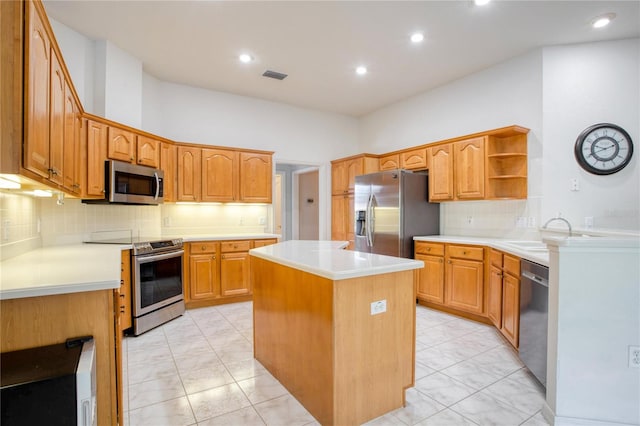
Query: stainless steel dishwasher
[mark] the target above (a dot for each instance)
(534, 314)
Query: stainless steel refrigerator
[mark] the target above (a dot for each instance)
(392, 207)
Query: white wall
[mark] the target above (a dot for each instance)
(78, 53)
(586, 84)
(506, 94)
(190, 114)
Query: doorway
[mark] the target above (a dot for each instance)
(298, 205)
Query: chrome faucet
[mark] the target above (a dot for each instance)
(558, 218)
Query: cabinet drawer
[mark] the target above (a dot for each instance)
(230, 246)
(204, 247)
(512, 265)
(433, 249)
(465, 252)
(496, 258)
(262, 243)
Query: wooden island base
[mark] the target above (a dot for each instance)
(317, 336)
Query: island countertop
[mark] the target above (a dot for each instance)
(61, 269)
(327, 259)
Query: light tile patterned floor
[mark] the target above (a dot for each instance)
(199, 370)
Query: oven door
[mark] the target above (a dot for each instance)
(157, 281)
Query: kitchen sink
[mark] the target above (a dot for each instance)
(528, 245)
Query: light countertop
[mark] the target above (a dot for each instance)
(77, 267)
(61, 269)
(540, 257)
(328, 260)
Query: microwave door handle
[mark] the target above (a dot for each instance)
(155, 175)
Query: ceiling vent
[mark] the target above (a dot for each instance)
(274, 74)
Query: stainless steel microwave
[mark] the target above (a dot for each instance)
(127, 183)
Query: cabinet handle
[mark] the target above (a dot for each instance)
(213, 258)
(464, 252)
(224, 256)
(121, 282)
(448, 261)
(441, 261)
(122, 295)
(122, 309)
(204, 248)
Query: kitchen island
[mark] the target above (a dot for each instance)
(335, 327)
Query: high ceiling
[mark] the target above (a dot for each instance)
(320, 43)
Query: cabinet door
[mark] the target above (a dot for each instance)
(414, 160)
(464, 285)
(189, 173)
(124, 297)
(339, 217)
(263, 243)
(494, 296)
(121, 144)
(355, 168)
(390, 162)
(339, 180)
(38, 66)
(234, 274)
(350, 224)
(440, 173)
(431, 279)
(56, 121)
(169, 165)
(255, 177)
(204, 282)
(72, 149)
(511, 309)
(469, 169)
(147, 151)
(96, 156)
(219, 175)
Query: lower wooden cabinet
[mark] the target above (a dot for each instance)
(123, 303)
(218, 272)
(453, 276)
(503, 294)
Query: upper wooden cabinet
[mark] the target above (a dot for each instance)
(121, 144)
(344, 172)
(441, 173)
(255, 177)
(219, 175)
(147, 151)
(456, 170)
(169, 165)
(189, 173)
(390, 162)
(38, 77)
(96, 145)
(74, 149)
(415, 159)
(506, 165)
(468, 157)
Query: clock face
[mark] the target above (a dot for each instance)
(603, 149)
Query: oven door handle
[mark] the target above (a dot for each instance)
(146, 258)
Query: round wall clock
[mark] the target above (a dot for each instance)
(603, 149)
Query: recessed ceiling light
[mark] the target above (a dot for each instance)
(245, 58)
(481, 2)
(417, 37)
(361, 70)
(603, 21)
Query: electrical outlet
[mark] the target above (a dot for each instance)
(378, 307)
(531, 222)
(588, 222)
(521, 222)
(575, 185)
(469, 220)
(634, 356)
(6, 230)
(166, 221)
(262, 220)
(241, 221)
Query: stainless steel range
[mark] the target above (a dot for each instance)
(157, 283)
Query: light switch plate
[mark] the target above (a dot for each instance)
(378, 307)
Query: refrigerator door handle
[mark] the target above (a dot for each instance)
(371, 222)
(368, 221)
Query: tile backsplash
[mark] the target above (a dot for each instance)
(194, 219)
(18, 224)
